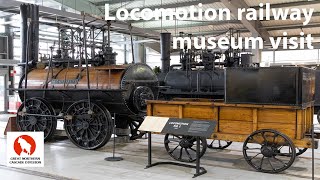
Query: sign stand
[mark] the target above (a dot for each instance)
(179, 126)
(199, 170)
(114, 158)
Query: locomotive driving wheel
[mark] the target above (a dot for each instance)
(219, 144)
(269, 151)
(37, 114)
(88, 126)
(183, 148)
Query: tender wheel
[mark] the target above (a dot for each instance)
(45, 123)
(183, 148)
(219, 144)
(300, 151)
(88, 128)
(269, 151)
(134, 125)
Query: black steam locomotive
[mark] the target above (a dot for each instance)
(201, 72)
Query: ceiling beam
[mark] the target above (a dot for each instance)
(185, 4)
(180, 4)
(102, 3)
(313, 35)
(54, 14)
(215, 33)
(214, 23)
(315, 14)
(253, 26)
(291, 26)
(82, 5)
(291, 4)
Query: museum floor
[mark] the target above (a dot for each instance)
(63, 160)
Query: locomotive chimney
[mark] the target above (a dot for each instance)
(29, 35)
(165, 44)
(23, 33)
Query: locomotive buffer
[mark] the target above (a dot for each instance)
(184, 127)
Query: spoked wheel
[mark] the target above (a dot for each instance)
(219, 144)
(134, 125)
(300, 151)
(183, 148)
(37, 115)
(269, 151)
(89, 127)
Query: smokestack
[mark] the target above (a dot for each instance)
(165, 45)
(31, 49)
(23, 31)
(35, 33)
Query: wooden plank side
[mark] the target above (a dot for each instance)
(287, 129)
(216, 117)
(229, 137)
(283, 116)
(199, 112)
(222, 104)
(255, 119)
(165, 110)
(303, 143)
(309, 120)
(299, 124)
(149, 110)
(180, 111)
(236, 113)
(235, 127)
(305, 121)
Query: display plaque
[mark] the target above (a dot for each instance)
(187, 127)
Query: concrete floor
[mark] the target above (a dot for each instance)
(63, 160)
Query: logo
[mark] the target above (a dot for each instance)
(24, 144)
(25, 149)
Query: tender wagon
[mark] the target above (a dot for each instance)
(273, 135)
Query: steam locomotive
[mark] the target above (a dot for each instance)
(89, 92)
(200, 73)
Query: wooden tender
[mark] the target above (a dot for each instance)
(237, 122)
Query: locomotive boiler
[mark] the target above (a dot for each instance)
(89, 92)
(200, 73)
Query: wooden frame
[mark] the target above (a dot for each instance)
(237, 121)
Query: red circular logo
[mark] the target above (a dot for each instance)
(25, 144)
